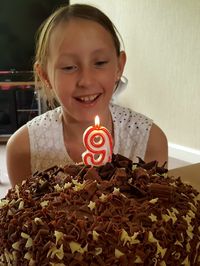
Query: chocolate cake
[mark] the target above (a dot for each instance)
(122, 213)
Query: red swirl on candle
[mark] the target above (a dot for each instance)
(98, 143)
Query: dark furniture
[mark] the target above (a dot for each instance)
(18, 104)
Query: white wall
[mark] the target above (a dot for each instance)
(162, 42)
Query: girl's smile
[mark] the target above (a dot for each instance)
(88, 99)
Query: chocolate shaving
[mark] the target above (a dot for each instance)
(164, 192)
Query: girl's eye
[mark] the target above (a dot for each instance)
(101, 63)
(70, 68)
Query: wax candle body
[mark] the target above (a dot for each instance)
(98, 143)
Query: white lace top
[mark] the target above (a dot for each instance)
(131, 133)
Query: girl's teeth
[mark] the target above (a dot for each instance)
(88, 98)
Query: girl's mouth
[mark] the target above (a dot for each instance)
(88, 99)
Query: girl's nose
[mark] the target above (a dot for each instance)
(86, 77)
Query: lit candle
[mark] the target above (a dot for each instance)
(98, 143)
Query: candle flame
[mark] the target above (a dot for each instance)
(97, 121)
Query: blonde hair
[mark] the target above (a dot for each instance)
(64, 14)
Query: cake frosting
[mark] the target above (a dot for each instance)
(122, 213)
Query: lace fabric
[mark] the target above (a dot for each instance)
(131, 133)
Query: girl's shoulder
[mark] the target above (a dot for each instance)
(19, 137)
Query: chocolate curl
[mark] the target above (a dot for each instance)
(92, 174)
(136, 191)
(121, 161)
(75, 170)
(89, 190)
(140, 173)
(106, 171)
(153, 166)
(163, 192)
(119, 177)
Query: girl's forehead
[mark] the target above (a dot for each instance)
(78, 31)
(75, 22)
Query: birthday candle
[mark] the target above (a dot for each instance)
(98, 143)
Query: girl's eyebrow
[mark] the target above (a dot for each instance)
(73, 54)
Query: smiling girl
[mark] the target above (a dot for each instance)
(79, 64)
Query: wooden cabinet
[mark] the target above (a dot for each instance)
(18, 104)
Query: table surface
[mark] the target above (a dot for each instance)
(189, 174)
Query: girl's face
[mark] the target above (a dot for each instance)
(83, 68)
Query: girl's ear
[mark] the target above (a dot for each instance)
(122, 62)
(41, 73)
